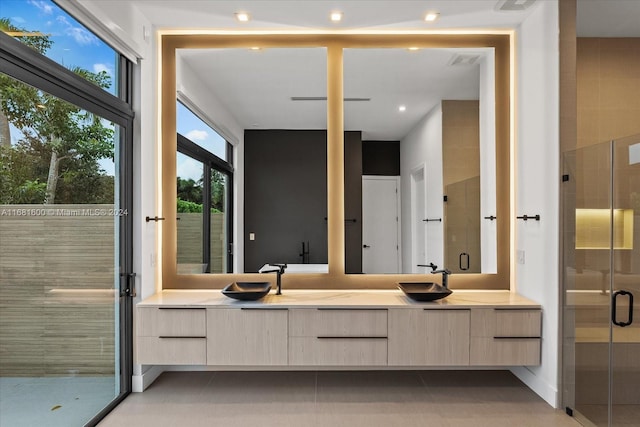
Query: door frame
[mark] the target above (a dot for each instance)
(420, 169)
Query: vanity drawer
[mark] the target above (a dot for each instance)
(518, 323)
(172, 322)
(338, 323)
(172, 351)
(309, 351)
(505, 351)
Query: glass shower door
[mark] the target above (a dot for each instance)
(601, 275)
(625, 331)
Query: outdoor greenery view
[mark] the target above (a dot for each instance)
(57, 147)
(190, 194)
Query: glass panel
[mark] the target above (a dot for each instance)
(44, 26)
(586, 199)
(625, 363)
(427, 116)
(59, 260)
(189, 208)
(192, 127)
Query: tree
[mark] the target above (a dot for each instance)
(66, 132)
(40, 43)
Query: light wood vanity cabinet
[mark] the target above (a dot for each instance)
(429, 337)
(338, 337)
(505, 336)
(247, 336)
(172, 336)
(349, 335)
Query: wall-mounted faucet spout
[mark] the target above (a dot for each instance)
(279, 270)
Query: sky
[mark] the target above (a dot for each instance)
(75, 46)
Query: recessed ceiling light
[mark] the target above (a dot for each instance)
(255, 48)
(402, 108)
(413, 49)
(243, 16)
(336, 16)
(431, 16)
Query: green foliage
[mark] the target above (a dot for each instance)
(185, 206)
(49, 126)
(37, 41)
(190, 190)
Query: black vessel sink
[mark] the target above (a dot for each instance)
(424, 291)
(247, 291)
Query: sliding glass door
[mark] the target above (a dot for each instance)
(65, 225)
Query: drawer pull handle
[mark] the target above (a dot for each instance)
(516, 338)
(264, 309)
(351, 309)
(350, 338)
(181, 337)
(181, 308)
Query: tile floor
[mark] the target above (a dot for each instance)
(335, 399)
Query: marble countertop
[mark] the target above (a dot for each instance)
(348, 298)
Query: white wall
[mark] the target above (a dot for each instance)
(423, 145)
(487, 118)
(537, 184)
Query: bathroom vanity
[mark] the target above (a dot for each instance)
(330, 329)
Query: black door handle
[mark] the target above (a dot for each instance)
(366, 246)
(614, 305)
(463, 255)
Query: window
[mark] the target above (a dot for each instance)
(204, 189)
(45, 27)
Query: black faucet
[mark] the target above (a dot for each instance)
(279, 270)
(445, 274)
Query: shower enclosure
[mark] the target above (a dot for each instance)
(601, 283)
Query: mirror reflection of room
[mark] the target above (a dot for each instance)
(419, 160)
(252, 162)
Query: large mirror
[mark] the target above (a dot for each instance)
(326, 83)
(420, 160)
(271, 103)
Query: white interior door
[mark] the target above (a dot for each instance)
(380, 224)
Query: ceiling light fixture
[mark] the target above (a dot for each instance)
(514, 5)
(413, 48)
(402, 108)
(431, 16)
(243, 16)
(336, 16)
(255, 48)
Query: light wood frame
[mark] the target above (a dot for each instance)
(334, 43)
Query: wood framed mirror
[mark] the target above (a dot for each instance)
(335, 45)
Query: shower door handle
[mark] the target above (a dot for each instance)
(614, 306)
(462, 256)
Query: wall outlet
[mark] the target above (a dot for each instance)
(252, 236)
(520, 257)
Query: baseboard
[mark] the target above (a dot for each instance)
(543, 389)
(139, 383)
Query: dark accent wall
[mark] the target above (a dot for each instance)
(353, 201)
(381, 158)
(285, 196)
